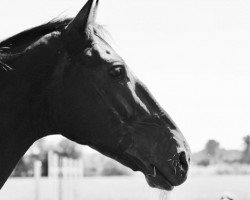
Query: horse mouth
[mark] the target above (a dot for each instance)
(159, 180)
(154, 176)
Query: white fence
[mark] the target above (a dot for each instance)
(64, 175)
(65, 167)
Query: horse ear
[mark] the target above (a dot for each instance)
(86, 16)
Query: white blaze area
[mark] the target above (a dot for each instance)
(131, 86)
(108, 54)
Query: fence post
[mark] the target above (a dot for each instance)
(37, 175)
(60, 179)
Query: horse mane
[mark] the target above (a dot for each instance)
(27, 37)
(19, 42)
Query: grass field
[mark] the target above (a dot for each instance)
(127, 188)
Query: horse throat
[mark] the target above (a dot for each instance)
(12, 147)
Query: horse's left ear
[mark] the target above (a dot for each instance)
(86, 16)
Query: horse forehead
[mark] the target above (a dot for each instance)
(104, 51)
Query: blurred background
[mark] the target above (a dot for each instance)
(194, 57)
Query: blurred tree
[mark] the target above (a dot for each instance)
(246, 151)
(39, 151)
(204, 162)
(24, 168)
(212, 148)
(69, 149)
(113, 168)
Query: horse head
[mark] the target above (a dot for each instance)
(67, 79)
(103, 105)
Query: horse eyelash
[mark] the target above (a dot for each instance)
(5, 66)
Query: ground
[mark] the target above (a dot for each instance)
(198, 187)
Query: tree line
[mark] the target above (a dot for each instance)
(213, 153)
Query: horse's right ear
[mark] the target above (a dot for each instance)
(86, 16)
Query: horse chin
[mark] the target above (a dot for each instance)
(159, 182)
(153, 175)
(155, 180)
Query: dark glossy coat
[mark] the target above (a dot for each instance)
(64, 78)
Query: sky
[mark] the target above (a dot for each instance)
(193, 55)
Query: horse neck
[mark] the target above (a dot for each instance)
(25, 113)
(15, 131)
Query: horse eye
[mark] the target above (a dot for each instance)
(116, 71)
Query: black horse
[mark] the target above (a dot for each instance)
(64, 78)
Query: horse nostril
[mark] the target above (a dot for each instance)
(183, 163)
